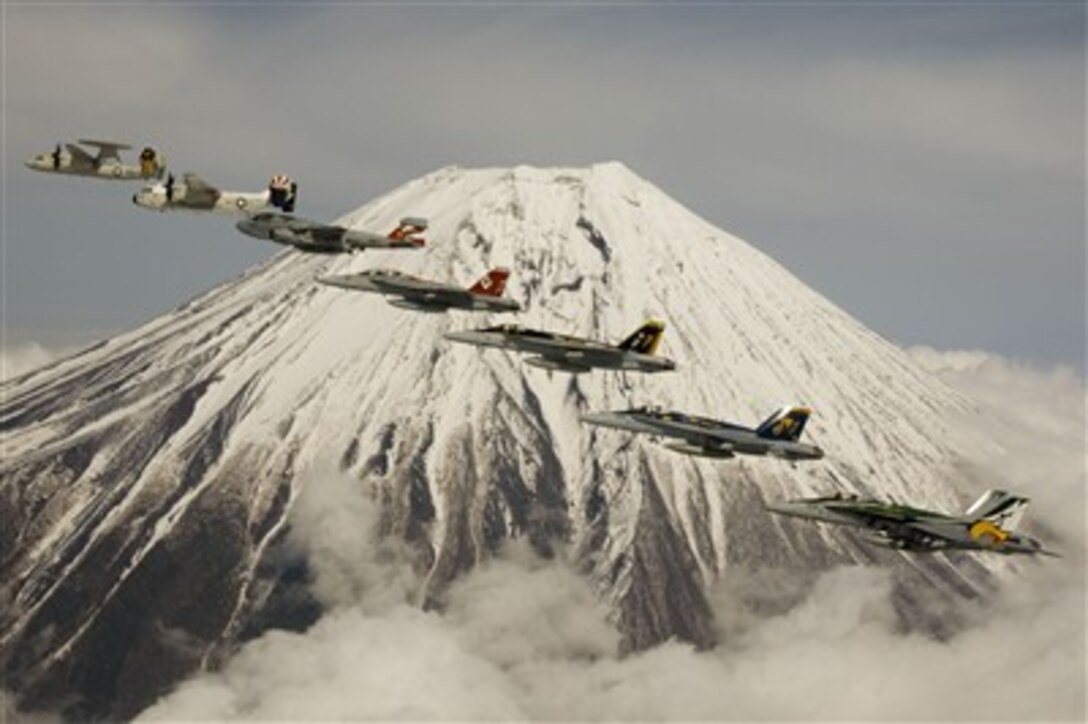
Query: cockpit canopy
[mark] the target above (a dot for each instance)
(504, 328)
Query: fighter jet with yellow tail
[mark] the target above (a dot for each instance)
(563, 353)
(988, 525)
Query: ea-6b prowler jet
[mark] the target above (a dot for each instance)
(988, 525)
(196, 194)
(74, 161)
(318, 238)
(778, 435)
(573, 354)
(422, 295)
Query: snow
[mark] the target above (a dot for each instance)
(299, 375)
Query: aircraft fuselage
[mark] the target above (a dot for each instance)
(158, 198)
(66, 165)
(912, 529)
(703, 436)
(565, 354)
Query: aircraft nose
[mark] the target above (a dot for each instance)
(604, 419)
(257, 230)
(595, 418)
(789, 508)
(780, 508)
(459, 336)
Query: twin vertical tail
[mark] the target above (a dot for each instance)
(1002, 509)
(152, 163)
(492, 284)
(785, 424)
(645, 339)
(282, 193)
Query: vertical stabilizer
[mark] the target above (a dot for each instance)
(646, 338)
(999, 507)
(152, 163)
(409, 229)
(282, 193)
(785, 424)
(492, 284)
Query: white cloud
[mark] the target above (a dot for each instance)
(1037, 417)
(18, 359)
(524, 638)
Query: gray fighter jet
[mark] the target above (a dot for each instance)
(777, 437)
(573, 354)
(318, 238)
(74, 161)
(988, 525)
(422, 295)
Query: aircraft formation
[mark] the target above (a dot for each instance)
(988, 525)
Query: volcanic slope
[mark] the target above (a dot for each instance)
(146, 479)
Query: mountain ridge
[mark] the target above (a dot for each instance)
(184, 439)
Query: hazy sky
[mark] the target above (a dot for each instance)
(922, 165)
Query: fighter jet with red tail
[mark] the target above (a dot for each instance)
(423, 295)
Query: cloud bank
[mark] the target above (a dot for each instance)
(16, 360)
(522, 638)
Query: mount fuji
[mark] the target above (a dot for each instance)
(147, 483)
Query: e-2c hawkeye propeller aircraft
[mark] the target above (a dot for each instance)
(423, 295)
(74, 161)
(573, 354)
(778, 435)
(988, 525)
(318, 238)
(196, 194)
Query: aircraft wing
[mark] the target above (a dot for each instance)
(199, 190)
(698, 431)
(322, 234)
(79, 156)
(574, 357)
(107, 150)
(369, 240)
(869, 510)
(305, 234)
(419, 290)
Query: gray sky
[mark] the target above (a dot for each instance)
(921, 165)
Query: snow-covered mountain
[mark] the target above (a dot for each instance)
(147, 482)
